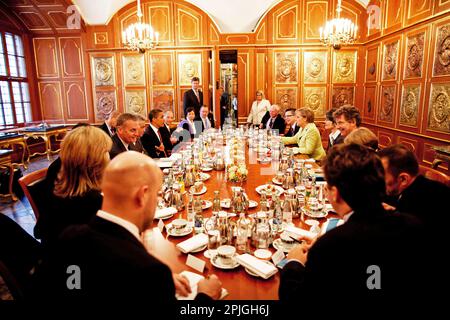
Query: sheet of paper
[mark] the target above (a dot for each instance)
(195, 263)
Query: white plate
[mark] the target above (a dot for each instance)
(170, 231)
(191, 190)
(250, 272)
(275, 181)
(206, 204)
(199, 249)
(166, 217)
(320, 215)
(226, 203)
(264, 160)
(279, 189)
(206, 169)
(204, 176)
(215, 261)
(278, 244)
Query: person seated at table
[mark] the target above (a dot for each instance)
(291, 123)
(308, 137)
(114, 264)
(188, 127)
(76, 196)
(410, 191)
(347, 119)
(152, 139)
(345, 257)
(126, 134)
(259, 108)
(273, 120)
(335, 136)
(109, 126)
(169, 141)
(362, 136)
(206, 118)
(137, 146)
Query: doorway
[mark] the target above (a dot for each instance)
(228, 80)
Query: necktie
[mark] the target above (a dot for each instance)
(197, 95)
(159, 136)
(271, 123)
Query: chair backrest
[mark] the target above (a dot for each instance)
(11, 283)
(31, 184)
(435, 175)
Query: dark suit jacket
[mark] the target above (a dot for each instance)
(165, 134)
(149, 141)
(138, 147)
(104, 127)
(291, 132)
(114, 266)
(339, 139)
(211, 119)
(278, 123)
(117, 147)
(338, 262)
(190, 100)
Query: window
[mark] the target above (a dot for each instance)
(15, 106)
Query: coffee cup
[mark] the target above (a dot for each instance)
(226, 253)
(198, 186)
(179, 225)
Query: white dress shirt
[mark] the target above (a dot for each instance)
(131, 227)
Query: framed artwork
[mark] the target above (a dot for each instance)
(133, 70)
(387, 102)
(286, 67)
(315, 67)
(390, 58)
(105, 103)
(344, 65)
(372, 63)
(163, 99)
(442, 51)
(409, 108)
(315, 98)
(189, 66)
(414, 55)
(439, 108)
(135, 102)
(286, 98)
(103, 69)
(343, 96)
(369, 102)
(162, 70)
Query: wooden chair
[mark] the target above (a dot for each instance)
(30, 185)
(435, 175)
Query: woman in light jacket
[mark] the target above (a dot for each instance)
(308, 137)
(259, 108)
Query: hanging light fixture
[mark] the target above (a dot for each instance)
(139, 36)
(339, 31)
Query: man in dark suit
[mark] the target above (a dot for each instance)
(193, 97)
(291, 122)
(206, 118)
(169, 141)
(127, 134)
(371, 245)
(347, 119)
(108, 253)
(273, 120)
(109, 126)
(224, 105)
(137, 146)
(152, 139)
(335, 136)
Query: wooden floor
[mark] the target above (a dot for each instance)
(21, 211)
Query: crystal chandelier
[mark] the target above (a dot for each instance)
(339, 31)
(139, 36)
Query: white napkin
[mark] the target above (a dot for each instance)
(194, 278)
(264, 270)
(193, 243)
(165, 212)
(175, 156)
(300, 232)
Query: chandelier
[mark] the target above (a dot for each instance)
(339, 31)
(139, 36)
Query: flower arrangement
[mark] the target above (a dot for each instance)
(236, 172)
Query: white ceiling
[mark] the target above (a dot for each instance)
(231, 16)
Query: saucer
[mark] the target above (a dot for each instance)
(204, 189)
(216, 262)
(171, 231)
(319, 215)
(206, 169)
(275, 181)
(279, 245)
(279, 190)
(250, 272)
(206, 204)
(199, 249)
(204, 176)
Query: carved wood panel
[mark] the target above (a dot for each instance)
(390, 60)
(163, 99)
(439, 108)
(414, 55)
(189, 24)
(372, 63)
(286, 98)
(161, 69)
(344, 66)
(385, 138)
(135, 101)
(342, 96)
(50, 100)
(261, 66)
(285, 24)
(386, 113)
(315, 66)
(105, 103)
(71, 56)
(46, 58)
(418, 9)
(315, 98)
(441, 66)
(410, 105)
(133, 70)
(160, 20)
(441, 5)
(189, 66)
(411, 144)
(75, 98)
(286, 67)
(316, 14)
(370, 103)
(393, 18)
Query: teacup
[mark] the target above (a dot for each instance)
(179, 225)
(286, 240)
(226, 253)
(198, 186)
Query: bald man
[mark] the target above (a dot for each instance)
(273, 120)
(113, 263)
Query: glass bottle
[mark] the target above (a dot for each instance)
(277, 216)
(198, 216)
(243, 225)
(263, 202)
(190, 210)
(216, 203)
(287, 209)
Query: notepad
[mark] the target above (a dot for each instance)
(262, 269)
(165, 212)
(194, 279)
(301, 232)
(193, 243)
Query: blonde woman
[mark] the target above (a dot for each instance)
(308, 137)
(76, 196)
(259, 108)
(364, 137)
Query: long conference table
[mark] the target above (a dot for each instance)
(240, 284)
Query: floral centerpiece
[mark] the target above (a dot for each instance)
(236, 172)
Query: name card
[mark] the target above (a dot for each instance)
(277, 257)
(195, 263)
(161, 225)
